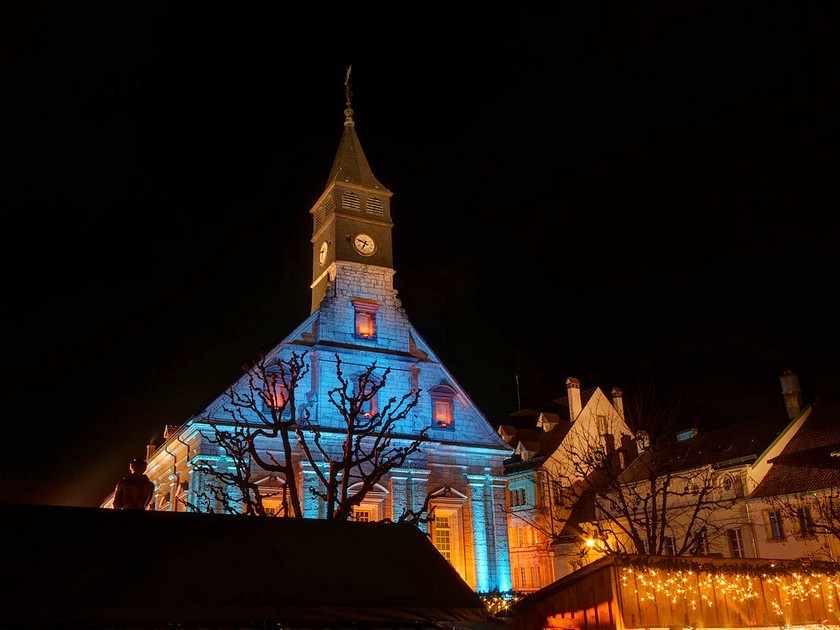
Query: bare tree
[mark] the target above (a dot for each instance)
(814, 514)
(347, 462)
(666, 500)
(645, 493)
(368, 451)
(262, 406)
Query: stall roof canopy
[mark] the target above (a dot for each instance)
(95, 568)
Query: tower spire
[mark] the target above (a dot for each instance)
(348, 93)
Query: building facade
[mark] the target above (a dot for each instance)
(544, 476)
(357, 318)
(767, 488)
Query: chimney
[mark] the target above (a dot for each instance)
(792, 393)
(150, 450)
(573, 389)
(617, 400)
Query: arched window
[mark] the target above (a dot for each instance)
(443, 406)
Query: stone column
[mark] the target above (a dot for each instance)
(313, 507)
(419, 488)
(500, 534)
(399, 492)
(478, 510)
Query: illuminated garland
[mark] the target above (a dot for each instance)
(499, 604)
(695, 584)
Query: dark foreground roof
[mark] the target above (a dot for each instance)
(69, 567)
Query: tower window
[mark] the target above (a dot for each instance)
(365, 318)
(350, 201)
(375, 206)
(443, 406)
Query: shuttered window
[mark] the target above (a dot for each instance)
(350, 201)
(375, 206)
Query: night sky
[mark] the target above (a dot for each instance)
(624, 192)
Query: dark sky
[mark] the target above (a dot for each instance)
(623, 192)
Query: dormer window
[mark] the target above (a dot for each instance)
(443, 406)
(365, 318)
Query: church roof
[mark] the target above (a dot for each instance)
(350, 164)
(95, 568)
(808, 463)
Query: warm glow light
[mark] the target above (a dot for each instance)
(590, 542)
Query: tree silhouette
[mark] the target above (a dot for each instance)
(267, 435)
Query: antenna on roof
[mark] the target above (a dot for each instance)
(518, 402)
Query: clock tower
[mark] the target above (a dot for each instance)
(351, 219)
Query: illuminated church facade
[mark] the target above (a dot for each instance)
(356, 315)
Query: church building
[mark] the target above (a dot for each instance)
(357, 317)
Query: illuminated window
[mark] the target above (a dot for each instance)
(443, 537)
(365, 319)
(368, 407)
(443, 406)
(736, 542)
(362, 515)
(350, 201)
(523, 581)
(275, 393)
(535, 580)
(773, 524)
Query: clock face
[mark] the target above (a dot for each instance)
(364, 244)
(322, 253)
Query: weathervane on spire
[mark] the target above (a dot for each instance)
(348, 93)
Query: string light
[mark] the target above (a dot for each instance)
(499, 603)
(698, 586)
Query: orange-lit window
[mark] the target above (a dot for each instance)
(362, 515)
(443, 406)
(275, 394)
(365, 319)
(368, 407)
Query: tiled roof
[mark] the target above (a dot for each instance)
(806, 464)
(730, 445)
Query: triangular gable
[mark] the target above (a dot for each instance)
(491, 436)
